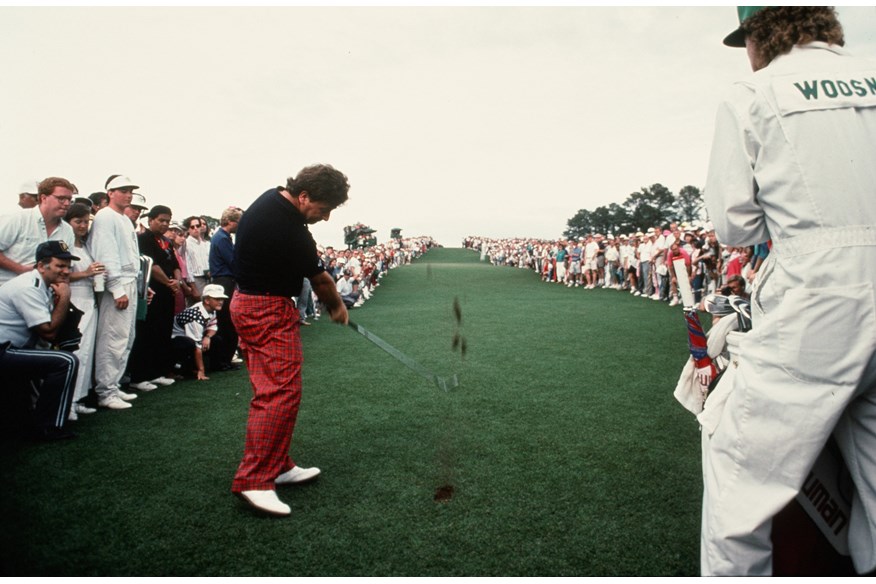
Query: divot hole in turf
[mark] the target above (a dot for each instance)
(444, 494)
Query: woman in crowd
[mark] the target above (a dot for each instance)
(83, 274)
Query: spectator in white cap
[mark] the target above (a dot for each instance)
(113, 242)
(195, 332)
(27, 195)
(135, 209)
(21, 232)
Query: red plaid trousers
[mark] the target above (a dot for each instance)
(269, 340)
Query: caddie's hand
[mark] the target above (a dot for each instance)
(340, 314)
(122, 302)
(205, 344)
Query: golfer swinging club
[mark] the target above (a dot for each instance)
(793, 162)
(274, 252)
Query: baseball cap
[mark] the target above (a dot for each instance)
(29, 188)
(138, 201)
(121, 182)
(214, 291)
(177, 227)
(54, 249)
(737, 37)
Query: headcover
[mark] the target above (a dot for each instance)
(718, 305)
(742, 306)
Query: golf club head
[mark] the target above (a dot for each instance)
(450, 383)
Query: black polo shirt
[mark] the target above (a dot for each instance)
(273, 250)
(161, 251)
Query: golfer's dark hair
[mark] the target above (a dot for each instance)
(323, 183)
(77, 211)
(159, 210)
(777, 29)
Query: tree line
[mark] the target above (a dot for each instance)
(648, 207)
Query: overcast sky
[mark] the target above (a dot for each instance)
(448, 121)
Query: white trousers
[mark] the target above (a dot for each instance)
(115, 337)
(83, 299)
(800, 374)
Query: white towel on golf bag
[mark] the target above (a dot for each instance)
(714, 408)
(689, 391)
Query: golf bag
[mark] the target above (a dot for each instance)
(810, 535)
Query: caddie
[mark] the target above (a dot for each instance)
(793, 162)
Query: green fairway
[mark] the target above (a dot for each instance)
(565, 450)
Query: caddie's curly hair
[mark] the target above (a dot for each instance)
(323, 183)
(777, 29)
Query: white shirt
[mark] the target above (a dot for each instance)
(197, 257)
(25, 302)
(345, 286)
(82, 290)
(645, 249)
(113, 242)
(22, 232)
(590, 251)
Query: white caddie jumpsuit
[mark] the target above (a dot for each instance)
(794, 160)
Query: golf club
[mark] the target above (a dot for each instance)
(442, 382)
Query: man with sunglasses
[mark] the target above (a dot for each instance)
(22, 232)
(113, 242)
(197, 257)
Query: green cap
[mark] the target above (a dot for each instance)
(737, 37)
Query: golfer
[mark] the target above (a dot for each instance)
(793, 162)
(274, 252)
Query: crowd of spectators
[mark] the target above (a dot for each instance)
(150, 293)
(639, 262)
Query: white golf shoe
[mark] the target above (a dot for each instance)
(297, 475)
(266, 502)
(82, 408)
(113, 402)
(142, 386)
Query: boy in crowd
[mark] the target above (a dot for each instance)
(194, 331)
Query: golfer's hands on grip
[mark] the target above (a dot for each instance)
(339, 314)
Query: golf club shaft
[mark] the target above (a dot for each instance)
(404, 359)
